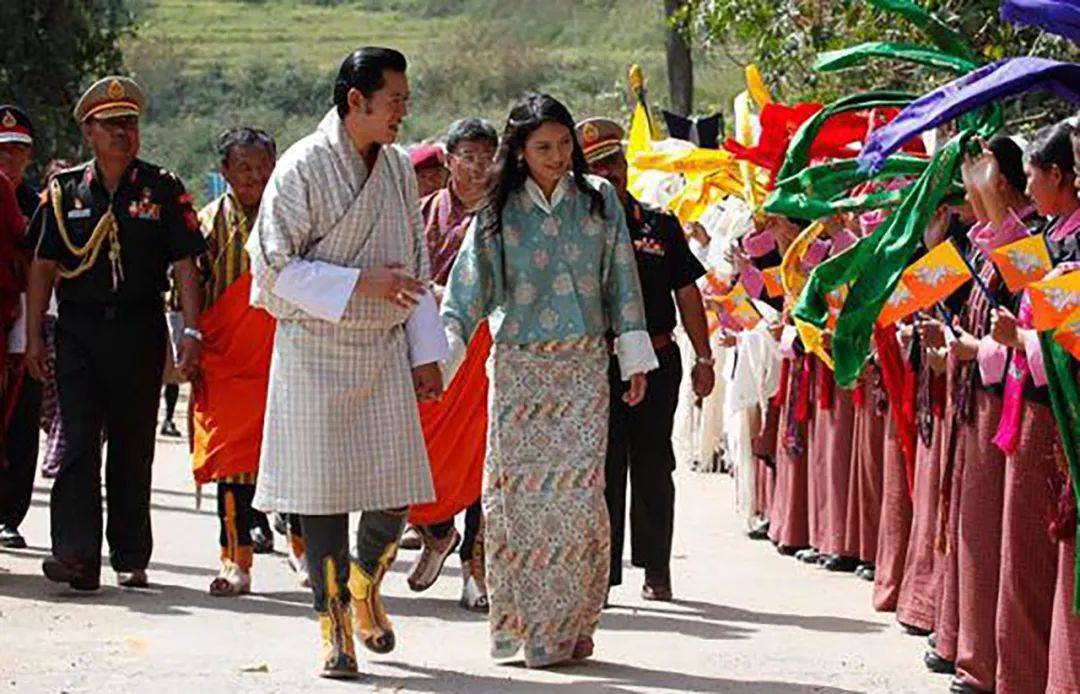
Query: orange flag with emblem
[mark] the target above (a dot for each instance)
(901, 304)
(1022, 262)
(936, 275)
(1068, 334)
(1053, 301)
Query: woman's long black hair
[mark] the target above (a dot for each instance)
(510, 169)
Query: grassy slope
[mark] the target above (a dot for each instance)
(213, 63)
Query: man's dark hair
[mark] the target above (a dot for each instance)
(363, 69)
(470, 130)
(245, 137)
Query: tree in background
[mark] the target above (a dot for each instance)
(783, 37)
(680, 66)
(50, 52)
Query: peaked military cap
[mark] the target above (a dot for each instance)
(599, 138)
(111, 97)
(15, 125)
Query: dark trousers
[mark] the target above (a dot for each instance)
(639, 442)
(108, 377)
(21, 452)
(327, 549)
(235, 515)
(473, 516)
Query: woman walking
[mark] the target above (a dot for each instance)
(548, 261)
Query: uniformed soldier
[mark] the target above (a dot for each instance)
(107, 233)
(20, 439)
(639, 438)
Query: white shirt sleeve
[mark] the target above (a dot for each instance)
(319, 288)
(424, 333)
(635, 353)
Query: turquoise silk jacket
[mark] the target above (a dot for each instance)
(556, 271)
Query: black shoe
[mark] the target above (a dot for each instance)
(759, 533)
(959, 686)
(866, 572)
(788, 550)
(912, 630)
(77, 574)
(10, 538)
(935, 663)
(134, 578)
(657, 585)
(841, 564)
(808, 555)
(169, 429)
(261, 541)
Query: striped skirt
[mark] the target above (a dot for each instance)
(548, 534)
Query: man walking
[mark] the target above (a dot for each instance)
(229, 395)
(338, 258)
(639, 438)
(107, 233)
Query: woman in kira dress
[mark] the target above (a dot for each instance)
(548, 261)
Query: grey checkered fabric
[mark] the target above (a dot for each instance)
(342, 432)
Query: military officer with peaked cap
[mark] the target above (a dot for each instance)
(639, 438)
(107, 232)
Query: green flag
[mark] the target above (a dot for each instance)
(944, 37)
(872, 267)
(1065, 401)
(908, 52)
(822, 191)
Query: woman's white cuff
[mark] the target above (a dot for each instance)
(635, 352)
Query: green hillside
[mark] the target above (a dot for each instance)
(210, 64)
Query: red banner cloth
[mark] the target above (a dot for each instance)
(900, 384)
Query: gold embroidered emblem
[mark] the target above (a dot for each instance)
(116, 90)
(9, 120)
(590, 133)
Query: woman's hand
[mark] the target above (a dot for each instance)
(1003, 328)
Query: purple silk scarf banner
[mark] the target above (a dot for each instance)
(1061, 17)
(987, 85)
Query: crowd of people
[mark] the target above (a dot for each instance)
(973, 543)
(498, 324)
(364, 329)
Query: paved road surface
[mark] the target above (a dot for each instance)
(746, 620)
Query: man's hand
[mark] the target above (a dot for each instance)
(703, 378)
(427, 382)
(391, 283)
(190, 353)
(36, 356)
(636, 393)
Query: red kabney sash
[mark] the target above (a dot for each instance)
(455, 431)
(230, 400)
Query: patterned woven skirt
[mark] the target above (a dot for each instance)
(548, 534)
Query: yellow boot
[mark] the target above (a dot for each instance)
(370, 620)
(339, 654)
